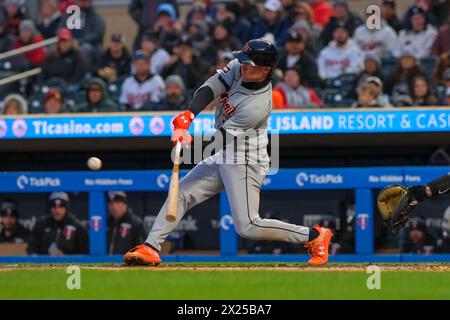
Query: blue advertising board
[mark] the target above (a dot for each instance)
(154, 125)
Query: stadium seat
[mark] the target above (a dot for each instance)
(36, 102)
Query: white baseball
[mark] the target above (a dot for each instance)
(94, 163)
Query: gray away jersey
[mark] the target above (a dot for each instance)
(243, 113)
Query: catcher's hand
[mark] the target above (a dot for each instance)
(395, 203)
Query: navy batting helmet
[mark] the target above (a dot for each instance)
(258, 52)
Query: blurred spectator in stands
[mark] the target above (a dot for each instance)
(202, 10)
(341, 56)
(288, 6)
(49, 19)
(301, 14)
(322, 11)
(367, 97)
(441, 10)
(439, 73)
(382, 98)
(198, 33)
(15, 13)
(93, 27)
(246, 9)
(342, 17)
(389, 15)
(304, 29)
(60, 232)
(11, 231)
(28, 34)
(270, 22)
(174, 97)
(222, 40)
(418, 37)
(116, 60)
(421, 93)
(294, 55)
(381, 42)
(443, 242)
(167, 27)
(372, 68)
(14, 104)
(442, 43)
(66, 61)
(398, 82)
(63, 5)
(6, 37)
(125, 229)
(241, 28)
(295, 94)
(419, 240)
(54, 102)
(97, 98)
(183, 62)
(144, 13)
(425, 5)
(158, 56)
(143, 86)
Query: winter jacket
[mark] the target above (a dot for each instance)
(67, 235)
(143, 12)
(125, 233)
(442, 43)
(279, 30)
(35, 57)
(417, 43)
(192, 74)
(300, 97)
(334, 61)
(48, 27)
(136, 93)
(380, 42)
(104, 105)
(121, 64)
(353, 21)
(18, 235)
(21, 100)
(70, 66)
(307, 65)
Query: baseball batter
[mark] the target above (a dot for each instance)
(244, 90)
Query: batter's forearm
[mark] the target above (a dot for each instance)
(202, 98)
(439, 186)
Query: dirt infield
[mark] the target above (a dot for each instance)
(290, 267)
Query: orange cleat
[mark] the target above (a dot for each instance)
(142, 255)
(318, 247)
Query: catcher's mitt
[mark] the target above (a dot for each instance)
(394, 204)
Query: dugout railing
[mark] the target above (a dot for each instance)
(96, 184)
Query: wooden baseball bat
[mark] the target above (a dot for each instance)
(172, 199)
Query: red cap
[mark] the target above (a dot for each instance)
(65, 34)
(52, 93)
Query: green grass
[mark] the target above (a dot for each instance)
(221, 284)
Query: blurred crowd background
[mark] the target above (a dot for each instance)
(328, 55)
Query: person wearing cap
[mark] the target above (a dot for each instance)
(271, 22)
(442, 43)
(28, 34)
(125, 229)
(54, 102)
(97, 98)
(158, 56)
(66, 61)
(6, 38)
(323, 11)
(341, 56)
(185, 63)
(49, 18)
(342, 17)
(295, 55)
(11, 230)
(144, 14)
(426, 6)
(419, 240)
(418, 37)
(116, 59)
(381, 42)
(90, 36)
(389, 15)
(174, 97)
(367, 96)
(60, 232)
(142, 87)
